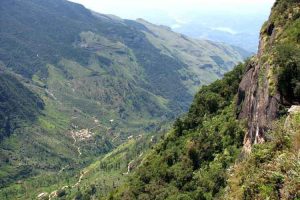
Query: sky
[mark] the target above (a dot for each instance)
(133, 9)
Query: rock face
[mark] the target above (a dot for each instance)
(259, 100)
(258, 107)
(294, 110)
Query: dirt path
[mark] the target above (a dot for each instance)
(129, 167)
(50, 94)
(115, 138)
(53, 194)
(63, 168)
(80, 178)
(74, 144)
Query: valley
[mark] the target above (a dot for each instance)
(93, 106)
(100, 85)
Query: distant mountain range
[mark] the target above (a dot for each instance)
(237, 29)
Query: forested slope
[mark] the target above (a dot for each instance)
(17, 104)
(238, 140)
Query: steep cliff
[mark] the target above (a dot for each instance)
(272, 80)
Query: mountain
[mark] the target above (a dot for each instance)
(193, 53)
(77, 86)
(240, 137)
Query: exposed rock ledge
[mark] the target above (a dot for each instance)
(292, 112)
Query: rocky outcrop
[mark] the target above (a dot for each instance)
(258, 98)
(293, 111)
(256, 104)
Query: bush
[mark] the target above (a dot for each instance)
(61, 193)
(287, 57)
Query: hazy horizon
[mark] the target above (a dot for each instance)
(133, 9)
(234, 22)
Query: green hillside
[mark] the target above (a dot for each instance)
(77, 85)
(205, 60)
(191, 162)
(18, 105)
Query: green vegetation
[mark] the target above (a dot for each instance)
(287, 53)
(272, 169)
(91, 82)
(192, 160)
(201, 157)
(92, 99)
(110, 171)
(18, 104)
(84, 69)
(193, 54)
(288, 60)
(283, 51)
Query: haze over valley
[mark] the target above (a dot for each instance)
(234, 22)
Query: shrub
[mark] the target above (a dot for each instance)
(287, 57)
